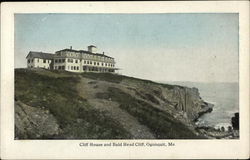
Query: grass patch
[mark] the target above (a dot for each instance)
(115, 78)
(162, 124)
(59, 96)
(147, 96)
(109, 77)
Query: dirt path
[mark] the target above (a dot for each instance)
(88, 88)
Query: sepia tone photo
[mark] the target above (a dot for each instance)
(126, 76)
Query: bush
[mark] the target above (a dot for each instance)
(235, 121)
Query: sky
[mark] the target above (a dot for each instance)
(160, 47)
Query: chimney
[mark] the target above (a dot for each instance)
(70, 47)
(92, 49)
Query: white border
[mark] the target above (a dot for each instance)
(64, 149)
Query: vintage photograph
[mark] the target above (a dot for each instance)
(126, 76)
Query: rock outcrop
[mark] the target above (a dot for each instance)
(34, 123)
(189, 101)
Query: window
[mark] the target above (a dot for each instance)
(94, 63)
(59, 67)
(105, 64)
(63, 67)
(71, 67)
(76, 61)
(90, 62)
(98, 63)
(102, 64)
(32, 60)
(74, 67)
(44, 61)
(37, 60)
(63, 60)
(59, 60)
(56, 61)
(28, 61)
(70, 60)
(77, 68)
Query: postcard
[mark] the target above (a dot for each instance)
(124, 80)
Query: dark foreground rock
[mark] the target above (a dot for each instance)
(34, 123)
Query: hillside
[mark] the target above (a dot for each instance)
(64, 105)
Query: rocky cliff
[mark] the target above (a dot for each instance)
(64, 105)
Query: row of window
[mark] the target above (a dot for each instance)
(46, 67)
(73, 68)
(85, 62)
(86, 56)
(101, 63)
(59, 67)
(69, 67)
(63, 60)
(72, 60)
(97, 69)
(43, 60)
(76, 61)
(85, 68)
(59, 60)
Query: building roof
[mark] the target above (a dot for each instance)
(92, 46)
(86, 52)
(41, 55)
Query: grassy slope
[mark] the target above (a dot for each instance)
(162, 124)
(58, 94)
(118, 78)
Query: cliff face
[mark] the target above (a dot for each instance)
(102, 106)
(189, 101)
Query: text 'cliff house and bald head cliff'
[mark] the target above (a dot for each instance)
(72, 60)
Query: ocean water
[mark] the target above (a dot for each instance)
(224, 96)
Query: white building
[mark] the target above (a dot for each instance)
(39, 60)
(73, 60)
